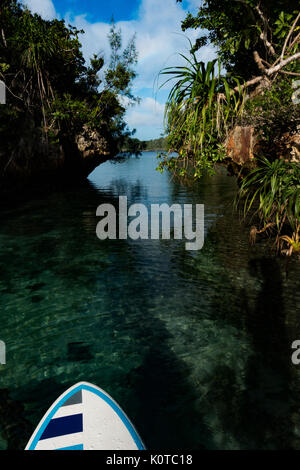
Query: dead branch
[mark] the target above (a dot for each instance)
(3, 37)
(282, 71)
(289, 36)
(295, 41)
(282, 64)
(259, 62)
(268, 72)
(251, 82)
(266, 27)
(264, 35)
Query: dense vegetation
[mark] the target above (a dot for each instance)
(257, 45)
(239, 27)
(201, 107)
(155, 145)
(274, 188)
(51, 93)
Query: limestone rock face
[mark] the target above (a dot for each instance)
(295, 151)
(33, 160)
(90, 143)
(240, 144)
(289, 146)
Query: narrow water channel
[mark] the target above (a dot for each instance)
(194, 345)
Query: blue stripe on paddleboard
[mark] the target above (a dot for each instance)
(108, 400)
(63, 426)
(77, 447)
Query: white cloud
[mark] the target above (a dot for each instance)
(159, 39)
(146, 117)
(45, 8)
(149, 113)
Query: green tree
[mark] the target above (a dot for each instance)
(201, 107)
(258, 42)
(120, 72)
(50, 87)
(237, 28)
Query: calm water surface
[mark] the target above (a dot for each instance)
(195, 346)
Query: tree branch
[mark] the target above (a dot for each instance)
(251, 82)
(3, 37)
(264, 36)
(297, 39)
(282, 64)
(269, 72)
(289, 36)
(281, 71)
(259, 62)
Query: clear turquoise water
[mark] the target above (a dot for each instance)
(195, 346)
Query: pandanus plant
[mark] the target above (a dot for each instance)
(200, 109)
(36, 50)
(293, 242)
(271, 192)
(43, 47)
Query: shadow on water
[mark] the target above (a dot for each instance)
(257, 412)
(268, 370)
(261, 411)
(14, 425)
(250, 389)
(16, 428)
(164, 404)
(116, 339)
(193, 346)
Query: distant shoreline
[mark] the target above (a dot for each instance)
(155, 145)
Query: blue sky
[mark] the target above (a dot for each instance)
(159, 39)
(99, 10)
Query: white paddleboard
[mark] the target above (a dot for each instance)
(85, 417)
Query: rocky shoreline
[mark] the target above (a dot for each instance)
(35, 162)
